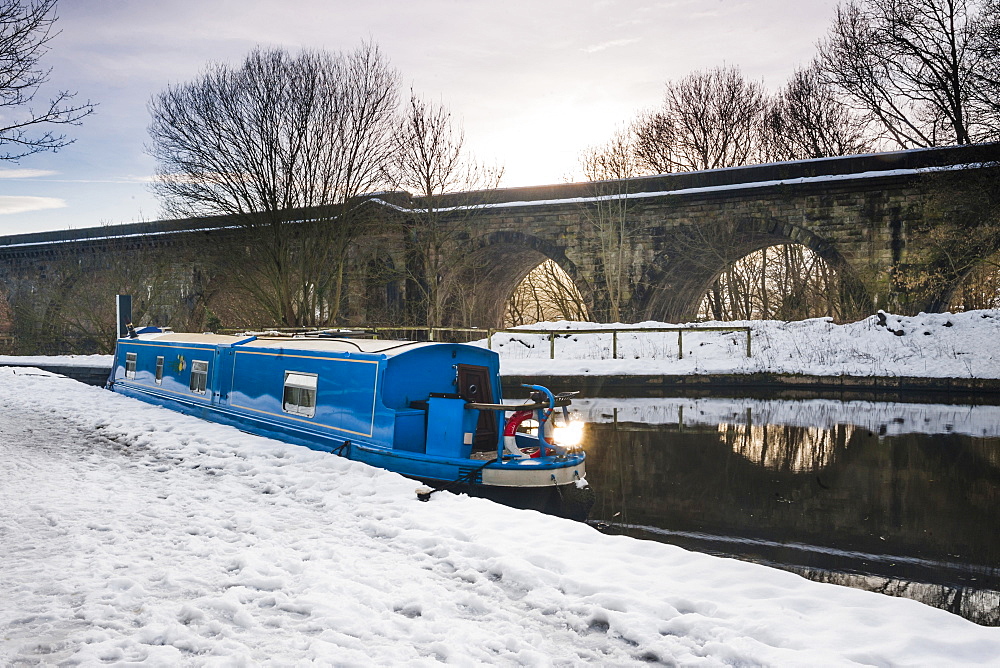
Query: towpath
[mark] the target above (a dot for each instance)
(134, 535)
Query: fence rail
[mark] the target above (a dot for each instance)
(434, 333)
(552, 333)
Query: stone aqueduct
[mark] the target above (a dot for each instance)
(855, 212)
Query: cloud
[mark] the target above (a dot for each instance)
(114, 179)
(594, 48)
(25, 203)
(25, 173)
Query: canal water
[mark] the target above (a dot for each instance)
(898, 498)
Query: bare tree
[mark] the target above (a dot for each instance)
(284, 145)
(26, 27)
(980, 289)
(84, 309)
(73, 309)
(910, 66)
(807, 120)
(987, 49)
(613, 218)
(429, 160)
(708, 120)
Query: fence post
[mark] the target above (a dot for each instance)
(489, 339)
(552, 345)
(680, 344)
(748, 342)
(614, 345)
(430, 334)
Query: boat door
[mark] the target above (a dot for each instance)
(215, 377)
(473, 384)
(224, 374)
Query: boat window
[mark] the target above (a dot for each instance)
(130, 360)
(300, 393)
(199, 376)
(159, 370)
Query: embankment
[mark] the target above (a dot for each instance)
(771, 385)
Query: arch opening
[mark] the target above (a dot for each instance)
(546, 293)
(779, 282)
(481, 287)
(751, 268)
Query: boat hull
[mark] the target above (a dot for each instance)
(547, 484)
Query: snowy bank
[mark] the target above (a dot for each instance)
(938, 345)
(134, 535)
(59, 360)
(885, 418)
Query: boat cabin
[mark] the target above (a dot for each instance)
(323, 391)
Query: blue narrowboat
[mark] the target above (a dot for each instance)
(430, 411)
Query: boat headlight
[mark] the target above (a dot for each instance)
(569, 435)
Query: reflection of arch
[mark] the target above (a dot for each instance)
(787, 448)
(496, 265)
(678, 278)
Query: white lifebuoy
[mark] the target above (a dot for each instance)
(509, 438)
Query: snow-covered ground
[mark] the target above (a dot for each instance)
(943, 345)
(133, 535)
(60, 360)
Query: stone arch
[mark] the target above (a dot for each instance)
(498, 262)
(679, 277)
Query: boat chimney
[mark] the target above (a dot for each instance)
(124, 308)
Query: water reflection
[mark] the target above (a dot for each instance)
(899, 498)
(784, 448)
(978, 605)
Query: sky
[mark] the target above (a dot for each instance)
(534, 82)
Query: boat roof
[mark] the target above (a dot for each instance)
(335, 344)
(181, 337)
(324, 344)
